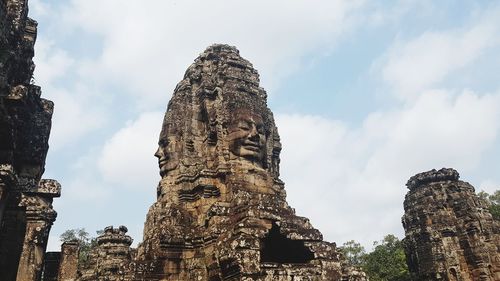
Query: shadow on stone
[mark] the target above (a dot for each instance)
(278, 248)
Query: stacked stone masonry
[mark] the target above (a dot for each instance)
(450, 233)
(221, 212)
(67, 269)
(111, 259)
(26, 213)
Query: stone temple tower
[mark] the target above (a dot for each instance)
(221, 212)
(450, 233)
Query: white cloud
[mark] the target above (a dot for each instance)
(79, 106)
(76, 114)
(421, 63)
(148, 45)
(356, 176)
(490, 186)
(127, 157)
(51, 62)
(84, 189)
(83, 185)
(381, 13)
(440, 129)
(38, 8)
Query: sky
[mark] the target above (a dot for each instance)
(365, 95)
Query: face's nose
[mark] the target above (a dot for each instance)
(254, 133)
(159, 153)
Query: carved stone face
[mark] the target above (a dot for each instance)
(247, 136)
(167, 155)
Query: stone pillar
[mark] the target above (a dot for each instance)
(69, 261)
(26, 213)
(39, 218)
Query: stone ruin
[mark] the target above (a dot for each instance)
(26, 213)
(221, 212)
(450, 233)
(110, 260)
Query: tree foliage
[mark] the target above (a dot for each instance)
(387, 261)
(77, 234)
(353, 252)
(493, 201)
(84, 240)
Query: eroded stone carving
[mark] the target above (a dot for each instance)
(26, 213)
(246, 136)
(221, 212)
(450, 234)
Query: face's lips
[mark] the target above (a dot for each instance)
(251, 146)
(162, 161)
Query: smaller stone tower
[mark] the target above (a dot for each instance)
(111, 259)
(450, 233)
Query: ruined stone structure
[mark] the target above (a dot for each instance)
(26, 212)
(221, 212)
(67, 268)
(111, 260)
(450, 234)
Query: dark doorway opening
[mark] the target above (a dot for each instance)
(277, 248)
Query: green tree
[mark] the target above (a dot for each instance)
(86, 242)
(77, 234)
(354, 252)
(493, 201)
(387, 262)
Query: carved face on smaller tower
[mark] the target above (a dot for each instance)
(246, 135)
(167, 155)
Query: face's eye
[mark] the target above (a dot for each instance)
(163, 143)
(244, 125)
